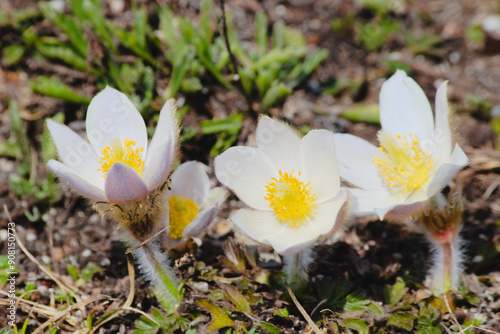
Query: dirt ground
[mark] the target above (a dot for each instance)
(368, 254)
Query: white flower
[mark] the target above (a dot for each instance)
(416, 157)
(291, 184)
(192, 205)
(116, 165)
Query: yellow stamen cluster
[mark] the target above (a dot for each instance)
(125, 153)
(290, 199)
(182, 211)
(404, 165)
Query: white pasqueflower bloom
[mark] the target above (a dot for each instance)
(116, 165)
(291, 184)
(416, 157)
(191, 204)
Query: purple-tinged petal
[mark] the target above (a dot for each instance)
(66, 174)
(124, 185)
(200, 222)
(76, 154)
(111, 115)
(158, 169)
(402, 213)
(161, 150)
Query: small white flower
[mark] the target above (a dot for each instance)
(416, 157)
(192, 205)
(116, 165)
(291, 184)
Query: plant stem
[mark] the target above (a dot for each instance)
(154, 266)
(447, 266)
(295, 269)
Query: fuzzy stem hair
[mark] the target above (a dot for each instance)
(296, 267)
(447, 259)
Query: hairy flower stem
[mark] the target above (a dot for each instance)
(139, 225)
(295, 269)
(441, 225)
(153, 263)
(447, 265)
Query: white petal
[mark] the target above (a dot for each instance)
(319, 164)
(258, 225)
(112, 115)
(354, 156)
(264, 227)
(246, 171)
(404, 108)
(216, 197)
(441, 149)
(200, 222)
(365, 202)
(79, 184)
(279, 142)
(447, 171)
(77, 154)
(325, 215)
(191, 181)
(160, 154)
(123, 184)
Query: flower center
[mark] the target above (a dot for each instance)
(124, 152)
(181, 212)
(290, 198)
(404, 165)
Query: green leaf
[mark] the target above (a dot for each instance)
(375, 34)
(131, 41)
(12, 54)
(56, 88)
(90, 270)
(269, 327)
(206, 20)
(140, 16)
(261, 32)
(281, 312)
(356, 301)
(219, 318)
(358, 325)
(237, 299)
(19, 133)
(425, 326)
(73, 271)
(333, 291)
(294, 38)
(232, 124)
(274, 94)
(403, 320)
(94, 13)
(280, 56)
(68, 26)
(307, 67)
(393, 294)
(181, 64)
(368, 113)
(62, 52)
(279, 34)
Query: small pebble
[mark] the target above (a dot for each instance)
(86, 253)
